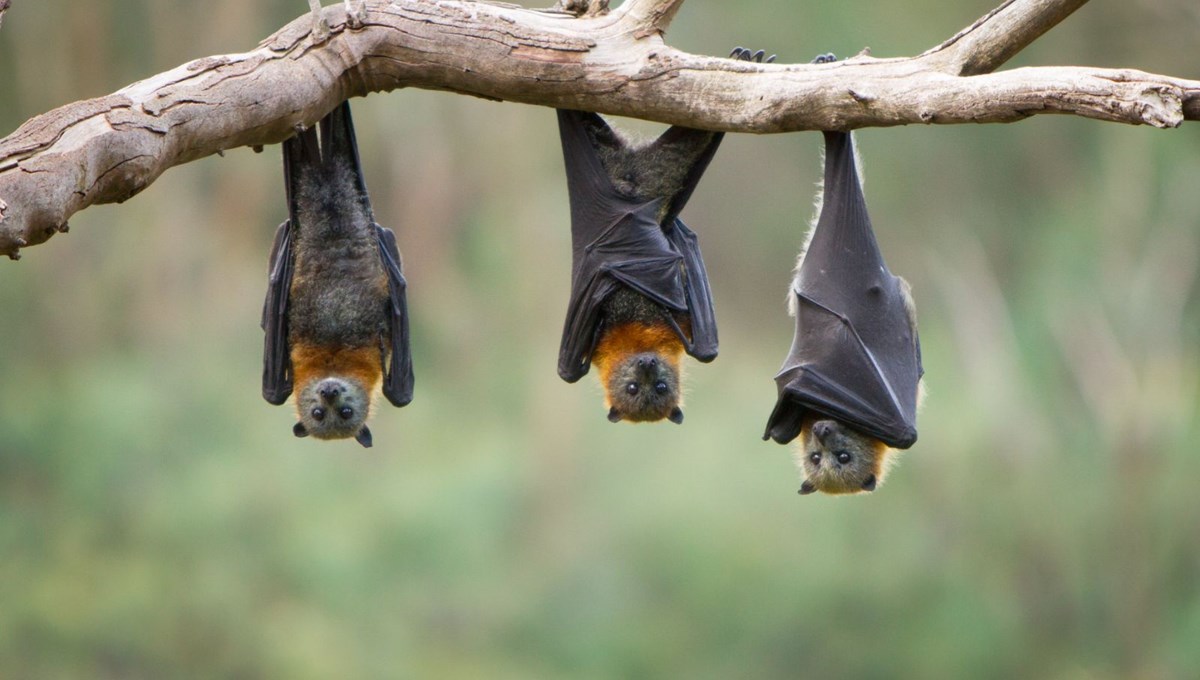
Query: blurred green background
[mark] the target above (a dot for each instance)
(158, 519)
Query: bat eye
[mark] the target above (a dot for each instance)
(346, 412)
(631, 388)
(815, 457)
(843, 457)
(318, 413)
(660, 387)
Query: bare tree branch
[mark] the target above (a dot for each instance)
(108, 149)
(999, 35)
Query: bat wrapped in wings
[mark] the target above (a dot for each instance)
(336, 315)
(851, 382)
(639, 291)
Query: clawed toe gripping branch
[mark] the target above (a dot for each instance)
(107, 149)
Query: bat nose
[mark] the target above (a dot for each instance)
(822, 429)
(647, 363)
(328, 392)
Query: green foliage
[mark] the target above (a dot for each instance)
(157, 519)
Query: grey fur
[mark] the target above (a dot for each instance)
(653, 169)
(819, 458)
(626, 305)
(340, 394)
(655, 386)
(339, 292)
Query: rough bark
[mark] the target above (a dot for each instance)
(108, 149)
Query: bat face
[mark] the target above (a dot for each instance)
(644, 387)
(332, 408)
(837, 459)
(638, 364)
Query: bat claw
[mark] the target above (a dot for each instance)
(356, 15)
(320, 30)
(825, 58)
(320, 27)
(580, 8)
(743, 54)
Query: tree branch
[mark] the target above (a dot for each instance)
(108, 149)
(999, 35)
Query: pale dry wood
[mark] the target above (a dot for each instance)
(108, 149)
(999, 35)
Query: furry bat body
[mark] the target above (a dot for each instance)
(336, 314)
(850, 385)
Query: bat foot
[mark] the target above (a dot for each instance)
(743, 54)
(356, 13)
(581, 8)
(320, 27)
(15, 253)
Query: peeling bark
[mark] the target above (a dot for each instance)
(108, 149)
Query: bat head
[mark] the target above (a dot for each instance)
(333, 408)
(837, 459)
(644, 387)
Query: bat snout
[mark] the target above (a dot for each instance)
(329, 391)
(822, 429)
(647, 362)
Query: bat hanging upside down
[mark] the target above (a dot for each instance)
(851, 384)
(640, 296)
(639, 292)
(336, 315)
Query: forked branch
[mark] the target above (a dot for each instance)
(108, 149)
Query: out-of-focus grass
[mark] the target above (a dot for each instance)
(157, 519)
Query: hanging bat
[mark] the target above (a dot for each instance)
(336, 316)
(639, 291)
(850, 386)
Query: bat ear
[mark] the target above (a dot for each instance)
(614, 416)
(869, 483)
(299, 430)
(364, 437)
(807, 488)
(676, 416)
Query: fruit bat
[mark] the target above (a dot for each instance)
(335, 315)
(639, 291)
(850, 383)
